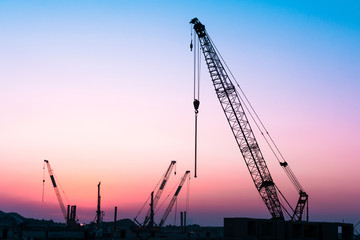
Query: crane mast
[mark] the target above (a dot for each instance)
(61, 203)
(239, 124)
(173, 199)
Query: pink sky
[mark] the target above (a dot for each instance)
(106, 100)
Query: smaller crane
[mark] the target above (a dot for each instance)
(158, 194)
(70, 214)
(56, 189)
(168, 209)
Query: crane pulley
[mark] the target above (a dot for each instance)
(232, 105)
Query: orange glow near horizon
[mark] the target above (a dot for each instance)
(104, 91)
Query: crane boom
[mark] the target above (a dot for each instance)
(61, 203)
(160, 190)
(164, 179)
(239, 124)
(173, 199)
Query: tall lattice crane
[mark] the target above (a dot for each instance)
(234, 111)
(158, 194)
(173, 199)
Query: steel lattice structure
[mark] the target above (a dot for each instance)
(239, 124)
(160, 191)
(173, 199)
(56, 189)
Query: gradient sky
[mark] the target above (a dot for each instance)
(103, 90)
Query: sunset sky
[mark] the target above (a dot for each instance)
(104, 91)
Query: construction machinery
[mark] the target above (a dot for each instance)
(56, 189)
(69, 214)
(158, 194)
(173, 199)
(232, 105)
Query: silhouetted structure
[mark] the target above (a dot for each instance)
(173, 199)
(99, 213)
(163, 182)
(264, 229)
(232, 105)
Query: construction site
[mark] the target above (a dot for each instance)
(287, 220)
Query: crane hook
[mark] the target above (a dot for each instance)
(196, 105)
(191, 45)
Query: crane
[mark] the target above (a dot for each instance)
(173, 199)
(61, 203)
(158, 194)
(232, 106)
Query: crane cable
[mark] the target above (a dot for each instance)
(147, 200)
(43, 190)
(57, 182)
(187, 195)
(61, 188)
(282, 204)
(284, 164)
(196, 101)
(162, 203)
(176, 202)
(186, 200)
